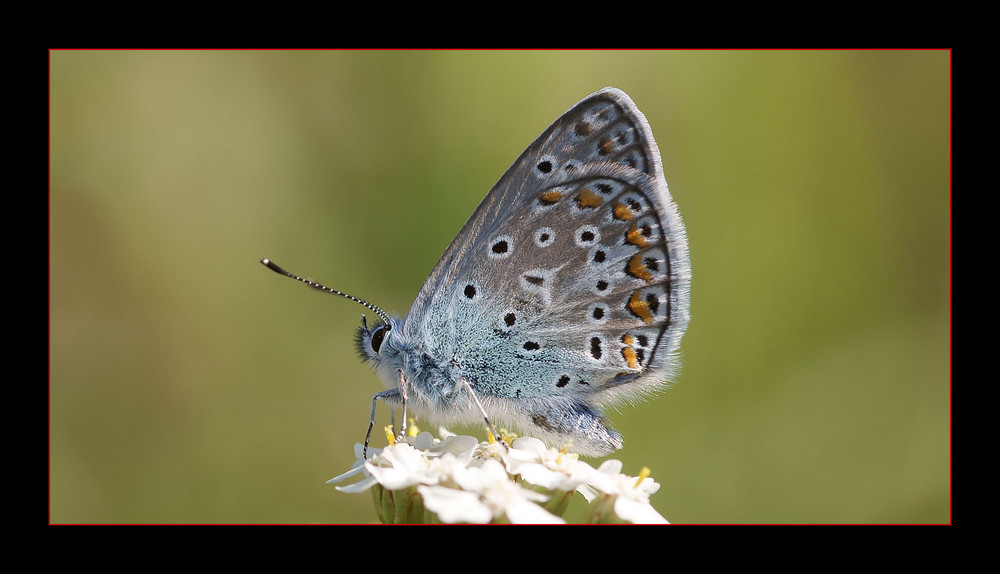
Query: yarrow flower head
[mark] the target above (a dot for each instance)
(457, 479)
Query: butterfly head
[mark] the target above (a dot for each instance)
(372, 341)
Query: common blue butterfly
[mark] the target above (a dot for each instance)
(566, 292)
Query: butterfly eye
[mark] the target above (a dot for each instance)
(378, 335)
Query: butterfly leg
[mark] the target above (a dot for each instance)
(402, 391)
(486, 417)
(390, 396)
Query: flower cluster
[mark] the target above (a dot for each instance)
(457, 479)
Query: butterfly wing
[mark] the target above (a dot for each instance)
(568, 287)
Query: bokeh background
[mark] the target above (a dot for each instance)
(189, 384)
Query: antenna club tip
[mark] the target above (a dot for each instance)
(272, 266)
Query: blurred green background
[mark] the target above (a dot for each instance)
(189, 384)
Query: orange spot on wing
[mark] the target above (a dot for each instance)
(640, 307)
(622, 212)
(606, 146)
(635, 237)
(588, 198)
(636, 268)
(630, 358)
(551, 196)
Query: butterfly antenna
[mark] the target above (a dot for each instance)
(274, 267)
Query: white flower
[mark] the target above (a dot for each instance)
(400, 466)
(628, 496)
(415, 460)
(458, 479)
(484, 493)
(550, 468)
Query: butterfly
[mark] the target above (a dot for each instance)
(566, 292)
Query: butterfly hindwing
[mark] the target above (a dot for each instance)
(560, 283)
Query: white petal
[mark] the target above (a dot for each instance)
(468, 478)
(341, 477)
(451, 505)
(542, 476)
(359, 486)
(611, 467)
(524, 512)
(423, 441)
(588, 492)
(531, 446)
(460, 446)
(637, 512)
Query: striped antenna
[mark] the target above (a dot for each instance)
(274, 267)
